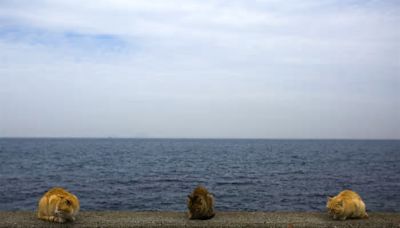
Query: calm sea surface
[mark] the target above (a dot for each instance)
(157, 174)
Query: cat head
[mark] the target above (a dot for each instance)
(67, 206)
(334, 206)
(196, 203)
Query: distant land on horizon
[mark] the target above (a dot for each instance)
(192, 138)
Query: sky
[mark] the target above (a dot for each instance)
(200, 69)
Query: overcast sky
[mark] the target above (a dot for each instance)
(203, 69)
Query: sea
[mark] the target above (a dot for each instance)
(158, 174)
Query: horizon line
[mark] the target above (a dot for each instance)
(192, 138)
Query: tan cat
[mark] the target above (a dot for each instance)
(58, 205)
(347, 204)
(200, 204)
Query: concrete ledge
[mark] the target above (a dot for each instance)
(222, 219)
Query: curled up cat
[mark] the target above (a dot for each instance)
(58, 205)
(200, 204)
(347, 204)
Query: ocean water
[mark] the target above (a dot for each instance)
(158, 174)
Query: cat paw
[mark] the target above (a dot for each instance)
(59, 220)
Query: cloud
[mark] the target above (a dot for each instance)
(320, 36)
(199, 68)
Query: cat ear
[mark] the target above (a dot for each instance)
(210, 196)
(329, 198)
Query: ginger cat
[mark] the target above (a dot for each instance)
(58, 205)
(347, 204)
(200, 204)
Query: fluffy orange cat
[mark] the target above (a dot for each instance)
(200, 204)
(58, 205)
(347, 204)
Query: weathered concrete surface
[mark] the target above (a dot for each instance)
(222, 219)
